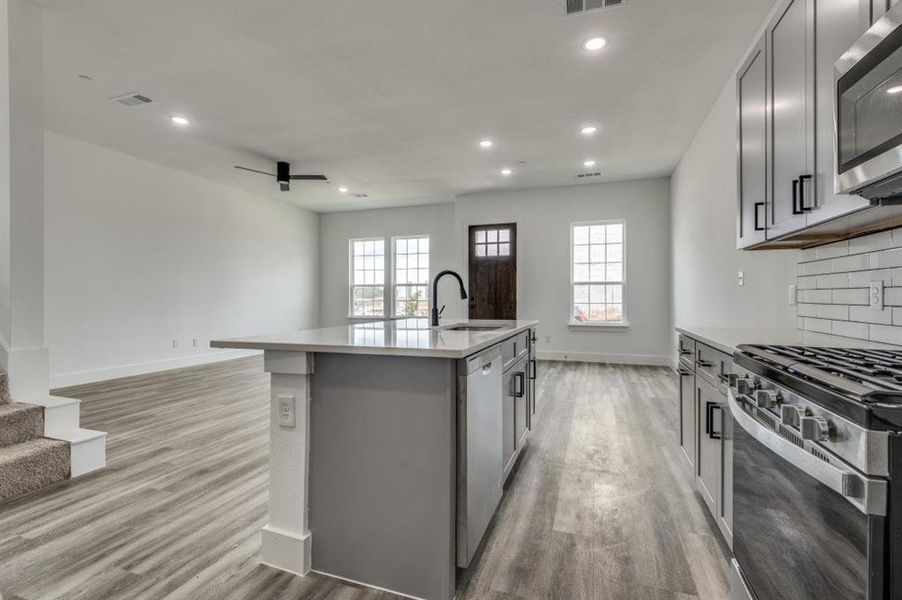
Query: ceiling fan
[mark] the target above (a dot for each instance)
(283, 175)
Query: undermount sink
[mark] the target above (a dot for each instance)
(472, 327)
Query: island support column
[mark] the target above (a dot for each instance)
(286, 539)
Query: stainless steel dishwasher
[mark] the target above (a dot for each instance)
(479, 452)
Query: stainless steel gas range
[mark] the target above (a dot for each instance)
(817, 473)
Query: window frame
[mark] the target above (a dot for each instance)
(623, 322)
(393, 283)
(352, 285)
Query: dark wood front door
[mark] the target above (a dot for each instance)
(493, 271)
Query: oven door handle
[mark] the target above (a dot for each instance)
(867, 495)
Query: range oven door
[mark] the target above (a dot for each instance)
(795, 537)
(868, 112)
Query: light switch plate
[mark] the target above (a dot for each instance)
(740, 278)
(875, 295)
(286, 411)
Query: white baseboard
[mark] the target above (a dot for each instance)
(605, 357)
(92, 376)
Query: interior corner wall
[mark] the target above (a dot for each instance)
(704, 208)
(140, 256)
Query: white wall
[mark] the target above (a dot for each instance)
(543, 218)
(705, 259)
(435, 220)
(139, 255)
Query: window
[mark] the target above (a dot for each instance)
(492, 242)
(597, 273)
(368, 278)
(411, 276)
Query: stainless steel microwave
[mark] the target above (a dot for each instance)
(868, 112)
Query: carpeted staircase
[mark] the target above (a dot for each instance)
(28, 461)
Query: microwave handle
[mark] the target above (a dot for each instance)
(867, 495)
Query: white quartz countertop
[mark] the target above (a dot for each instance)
(399, 337)
(726, 339)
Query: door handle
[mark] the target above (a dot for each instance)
(795, 197)
(758, 227)
(802, 207)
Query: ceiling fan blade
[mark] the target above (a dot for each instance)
(283, 186)
(255, 171)
(309, 177)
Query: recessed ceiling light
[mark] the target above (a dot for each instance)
(179, 120)
(596, 43)
(588, 130)
(486, 143)
(894, 90)
(506, 172)
(343, 189)
(589, 163)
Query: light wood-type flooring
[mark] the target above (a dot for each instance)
(600, 507)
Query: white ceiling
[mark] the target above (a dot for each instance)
(390, 98)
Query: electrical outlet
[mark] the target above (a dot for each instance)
(875, 295)
(196, 342)
(740, 278)
(792, 295)
(286, 411)
(175, 343)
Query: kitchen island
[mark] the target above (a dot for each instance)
(390, 443)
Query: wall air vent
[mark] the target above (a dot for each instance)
(133, 99)
(578, 6)
(583, 175)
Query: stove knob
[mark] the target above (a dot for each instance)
(790, 415)
(765, 398)
(816, 429)
(745, 386)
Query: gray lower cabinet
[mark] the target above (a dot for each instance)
(521, 401)
(518, 401)
(508, 410)
(706, 428)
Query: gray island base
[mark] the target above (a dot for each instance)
(371, 452)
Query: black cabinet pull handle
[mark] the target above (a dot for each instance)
(520, 384)
(758, 227)
(703, 363)
(532, 369)
(709, 418)
(795, 197)
(685, 352)
(802, 207)
(684, 373)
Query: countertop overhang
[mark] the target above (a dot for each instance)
(396, 337)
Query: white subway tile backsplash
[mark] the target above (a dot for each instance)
(871, 243)
(818, 267)
(850, 296)
(807, 283)
(832, 250)
(887, 334)
(819, 325)
(835, 280)
(808, 310)
(892, 296)
(832, 311)
(865, 314)
(897, 316)
(864, 278)
(815, 296)
(850, 329)
(857, 262)
(885, 259)
(808, 255)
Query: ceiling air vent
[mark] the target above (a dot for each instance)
(133, 99)
(578, 6)
(582, 175)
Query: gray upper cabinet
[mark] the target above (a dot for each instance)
(837, 24)
(787, 165)
(751, 92)
(790, 51)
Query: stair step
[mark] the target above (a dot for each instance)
(4, 388)
(20, 422)
(31, 465)
(87, 449)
